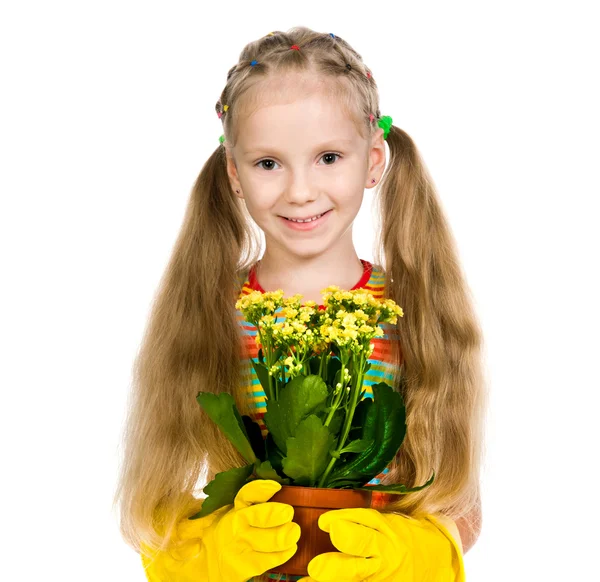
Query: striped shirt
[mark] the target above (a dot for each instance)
(383, 369)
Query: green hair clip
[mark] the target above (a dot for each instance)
(385, 123)
(222, 138)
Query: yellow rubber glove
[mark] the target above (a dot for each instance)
(232, 544)
(381, 547)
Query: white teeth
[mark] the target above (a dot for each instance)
(308, 219)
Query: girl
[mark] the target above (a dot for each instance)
(303, 137)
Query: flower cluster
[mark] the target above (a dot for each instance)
(349, 321)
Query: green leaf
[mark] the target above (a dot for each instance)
(346, 484)
(308, 452)
(336, 421)
(360, 415)
(223, 488)
(302, 396)
(255, 437)
(221, 409)
(266, 471)
(385, 425)
(357, 446)
(274, 455)
(397, 487)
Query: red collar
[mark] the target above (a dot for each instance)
(367, 269)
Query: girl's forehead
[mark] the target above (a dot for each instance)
(308, 109)
(287, 89)
(305, 120)
(307, 102)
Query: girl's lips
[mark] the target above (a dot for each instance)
(306, 225)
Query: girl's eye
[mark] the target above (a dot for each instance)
(327, 155)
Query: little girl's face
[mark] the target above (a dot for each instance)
(299, 155)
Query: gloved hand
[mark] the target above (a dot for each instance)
(232, 544)
(383, 547)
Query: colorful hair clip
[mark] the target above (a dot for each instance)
(385, 123)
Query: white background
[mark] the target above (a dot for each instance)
(107, 115)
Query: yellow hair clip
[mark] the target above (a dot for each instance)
(225, 107)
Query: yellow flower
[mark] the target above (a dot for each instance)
(350, 320)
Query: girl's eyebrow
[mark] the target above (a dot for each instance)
(329, 144)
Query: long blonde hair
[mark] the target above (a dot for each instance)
(192, 341)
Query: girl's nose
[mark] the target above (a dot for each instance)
(301, 188)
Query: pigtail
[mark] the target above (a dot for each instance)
(191, 343)
(441, 340)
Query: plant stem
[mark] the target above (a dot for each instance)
(267, 358)
(336, 402)
(334, 406)
(272, 378)
(321, 365)
(354, 392)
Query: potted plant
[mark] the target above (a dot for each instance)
(325, 441)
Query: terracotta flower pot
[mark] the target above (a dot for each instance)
(309, 503)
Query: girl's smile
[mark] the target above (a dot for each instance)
(311, 225)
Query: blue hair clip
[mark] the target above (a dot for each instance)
(254, 63)
(332, 35)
